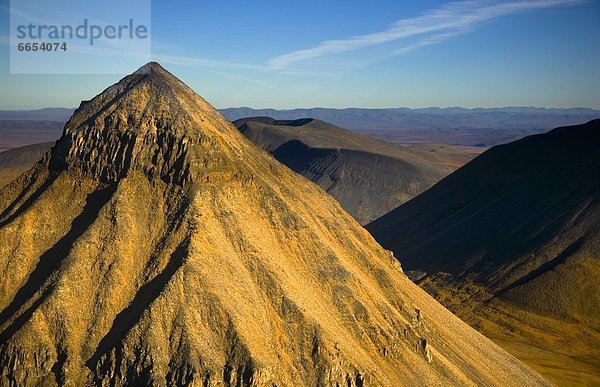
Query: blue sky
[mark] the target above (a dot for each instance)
(287, 54)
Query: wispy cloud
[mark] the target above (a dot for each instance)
(431, 27)
(201, 63)
(205, 63)
(428, 41)
(410, 34)
(26, 16)
(209, 66)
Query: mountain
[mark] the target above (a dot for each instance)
(511, 243)
(155, 245)
(15, 162)
(368, 177)
(452, 126)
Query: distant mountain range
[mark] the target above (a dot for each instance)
(453, 126)
(17, 133)
(47, 114)
(511, 243)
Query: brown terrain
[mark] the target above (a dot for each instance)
(369, 177)
(156, 245)
(16, 161)
(18, 133)
(511, 244)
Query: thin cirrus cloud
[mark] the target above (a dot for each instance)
(432, 27)
(204, 64)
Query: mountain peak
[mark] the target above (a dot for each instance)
(151, 67)
(149, 117)
(154, 74)
(151, 90)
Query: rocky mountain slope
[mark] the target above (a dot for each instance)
(368, 177)
(16, 161)
(511, 243)
(155, 245)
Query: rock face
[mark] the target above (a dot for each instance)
(511, 243)
(368, 177)
(155, 245)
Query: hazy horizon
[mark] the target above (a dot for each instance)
(354, 107)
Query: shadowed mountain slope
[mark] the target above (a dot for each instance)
(369, 177)
(16, 161)
(511, 242)
(155, 245)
